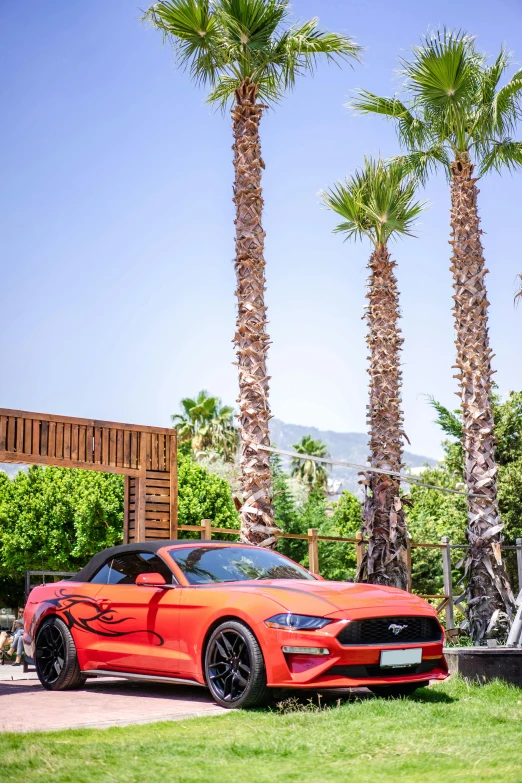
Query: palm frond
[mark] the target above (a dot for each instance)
(504, 154)
(444, 70)
(422, 163)
(377, 201)
(224, 42)
(507, 104)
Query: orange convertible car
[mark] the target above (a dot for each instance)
(238, 619)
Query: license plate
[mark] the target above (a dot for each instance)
(394, 658)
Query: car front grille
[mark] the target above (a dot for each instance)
(383, 630)
(360, 672)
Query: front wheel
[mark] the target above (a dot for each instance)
(396, 691)
(55, 657)
(235, 668)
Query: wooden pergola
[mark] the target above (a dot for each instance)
(146, 456)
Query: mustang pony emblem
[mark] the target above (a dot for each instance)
(396, 629)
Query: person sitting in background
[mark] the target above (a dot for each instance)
(17, 643)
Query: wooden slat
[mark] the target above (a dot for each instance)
(11, 432)
(145, 456)
(126, 510)
(51, 443)
(85, 422)
(3, 433)
(67, 441)
(89, 444)
(36, 437)
(155, 452)
(112, 446)
(140, 508)
(157, 514)
(81, 443)
(156, 474)
(151, 507)
(167, 453)
(126, 449)
(173, 472)
(28, 436)
(119, 448)
(158, 499)
(20, 436)
(43, 438)
(74, 442)
(97, 444)
(105, 446)
(158, 524)
(134, 439)
(13, 456)
(59, 441)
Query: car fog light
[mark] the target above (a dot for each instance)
(306, 650)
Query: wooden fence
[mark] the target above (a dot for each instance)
(445, 600)
(146, 456)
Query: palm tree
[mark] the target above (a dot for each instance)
(312, 474)
(248, 56)
(207, 425)
(378, 202)
(457, 117)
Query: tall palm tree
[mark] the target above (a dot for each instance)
(378, 203)
(312, 474)
(456, 116)
(248, 55)
(207, 425)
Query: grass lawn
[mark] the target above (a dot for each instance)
(449, 732)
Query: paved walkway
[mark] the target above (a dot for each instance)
(26, 706)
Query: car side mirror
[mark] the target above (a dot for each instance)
(321, 578)
(150, 580)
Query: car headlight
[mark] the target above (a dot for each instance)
(296, 622)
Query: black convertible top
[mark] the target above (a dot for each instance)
(96, 562)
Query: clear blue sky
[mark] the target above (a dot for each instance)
(117, 223)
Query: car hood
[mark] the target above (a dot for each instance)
(329, 598)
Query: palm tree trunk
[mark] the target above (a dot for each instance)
(383, 513)
(488, 588)
(251, 338)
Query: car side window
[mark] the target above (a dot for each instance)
(123, 569)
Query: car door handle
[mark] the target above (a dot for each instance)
(103, 603)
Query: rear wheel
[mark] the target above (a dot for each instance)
(396, 691)
(55, 657)
(235, 668)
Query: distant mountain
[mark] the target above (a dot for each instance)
(342, 447)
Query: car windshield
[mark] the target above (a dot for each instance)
(205, 564)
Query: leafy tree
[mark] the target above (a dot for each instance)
(313, 475)
(248, 56)
(286, 514)
(338, 560)
(507, 415)
(54, 518)
(456, 117)
(378, 203)
(432, 515)
(202, 495)
(207, 425)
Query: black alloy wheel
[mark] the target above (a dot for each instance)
(235, 668)
(55, 657)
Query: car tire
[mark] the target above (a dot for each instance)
(397, 691)
(55, 657)
(235, 668)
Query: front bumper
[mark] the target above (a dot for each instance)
(344, 666)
